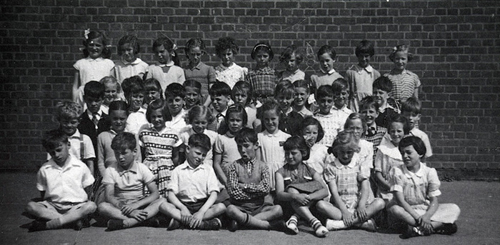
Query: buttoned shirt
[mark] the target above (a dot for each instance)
(193, 184)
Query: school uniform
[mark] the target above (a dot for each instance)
(94, 124)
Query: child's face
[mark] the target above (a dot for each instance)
(127, 52)
(301, 96)
(199, 124)
(220, 102)
(326, 62)
(271, 120)
(413, 118)
(162, 55)
(325, 104)
(410, 156)
(262, 58)
(69, 125)
(195, 156)
(364, 59)
(175, 105)
(93, 104)
(194, 55)
(110, 92)
(135, 101)
(340, 99)
(61, 153)
(95, 48)
(157, 119)
(292, 64)
(152, 95)
(396, 132)
(381, 96)
(293, 157)
(310, 134)
(370, 114)
(234, 122)
(344, 154)
(400, 60)
(356, 126)
(125, 157)
(118, 120)
(247, 150)
(193, 96)
(285, 102)
(240, 96)
(227, 57)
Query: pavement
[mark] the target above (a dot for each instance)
(478, 223)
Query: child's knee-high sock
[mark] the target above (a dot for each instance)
(251, 221)
(291, 224)
(319, 229)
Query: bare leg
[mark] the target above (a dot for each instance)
(40, 210)
(152, 210)
(247, 220)
(329, 210)
(109, 211)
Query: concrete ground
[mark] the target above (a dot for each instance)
(478, 223)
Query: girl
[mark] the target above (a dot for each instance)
(291, 58)
(362, 75)
(263, 78)
(416, 190)
(129, 64)
(302, 92)
(94, 66)
(405, 84)
(133, 88)
(228, 72)
(289, 119)
(160, 145)
(271, 139)
(242, 94)
(198, 118)
(166, 70)
(388, 155)
(312, 132)
(300, 186)
(356, 124)
(352, 205)
(193, 94)
(112, 92)
(225, 148)
(153, 91)
(326, 76)
(197, 70)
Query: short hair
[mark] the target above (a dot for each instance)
(367, 102)
(124, 140)
(152, 84)
(155, 105)
(68, 110)
(284, 87)
(118, 105)
(400, 119)
(289, 51)
(354, 116)
(299, 143)
(308, 121)
(246, 135)
(414, 141)
(175, 90)
(199, 110)
(383, 83)
(111, 80)
(170, 46)
(400, 48)
(365, 47)
(237, 108)
(324, 91)
(53, 138)
(327, 49)
(106, 51)
(220, 89)
(243, 86)
(340, 84)
(262, 46)
(192, 84)
(194, 42)
(199, 140)
(225, 43)
(302, 84)
(133, 85)
(344, 139)
(412, 104)
(132, 40)
(269, 105)
(93, 89)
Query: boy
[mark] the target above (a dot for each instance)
(192, 190)
(247, 185)
(174, 98)
(93, 119)
(134, 91)
(68, 115)
(411, 109)
(369, 109)
(64, 183)
(382, 86)
(220, 95)
(124, 181)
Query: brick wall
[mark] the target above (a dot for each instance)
(456, 45)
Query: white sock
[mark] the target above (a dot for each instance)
(335, 224)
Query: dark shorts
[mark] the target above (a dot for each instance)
(193, 207)
(251, 207)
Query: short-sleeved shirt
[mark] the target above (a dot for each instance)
(201, 73)
(129, 184)
(317, 158)
(417, 187)
(423, 136)
(135, 121)
(332, 123)
(166, 74)
(301, 174)
(93, 69)
(125, 69)
(193, 184)
(230, 75)
(403, 84)
(227, 148)
(66, 183)
(362, 78)
(178, 121)
(272, 152)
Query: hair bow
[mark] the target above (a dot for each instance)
(86, 34)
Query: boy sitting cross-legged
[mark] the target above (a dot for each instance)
(193, 189)
(124, 180)
(64, 183)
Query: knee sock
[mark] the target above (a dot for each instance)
(319, 229)
(292, 224)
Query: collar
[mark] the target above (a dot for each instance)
(99, 113)
(94, 60)
(67, 165)
(171, 63)
(330, 72)
(395, 72)
(186, 165)
(113, 131)
(410, 174)
(339, 109)
(273, 135)
(228, 67)
(178, 117)
(368, 69)
(351, 165)
(76, 135)
(135, 62)
(196, 67)
(133, 169)
(251, 161)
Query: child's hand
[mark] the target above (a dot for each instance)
(425, 224)
(185, 212)
(301, 199)
(196, 220)
(139, 215)
(127, 209)
(361, 213)
(348, 218)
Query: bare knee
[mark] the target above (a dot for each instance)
(219, 207)
(378, 204)
(396, 210)
(321, 205)
(89, 207)
(104, 206)
(31, 207)
(232, 210)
